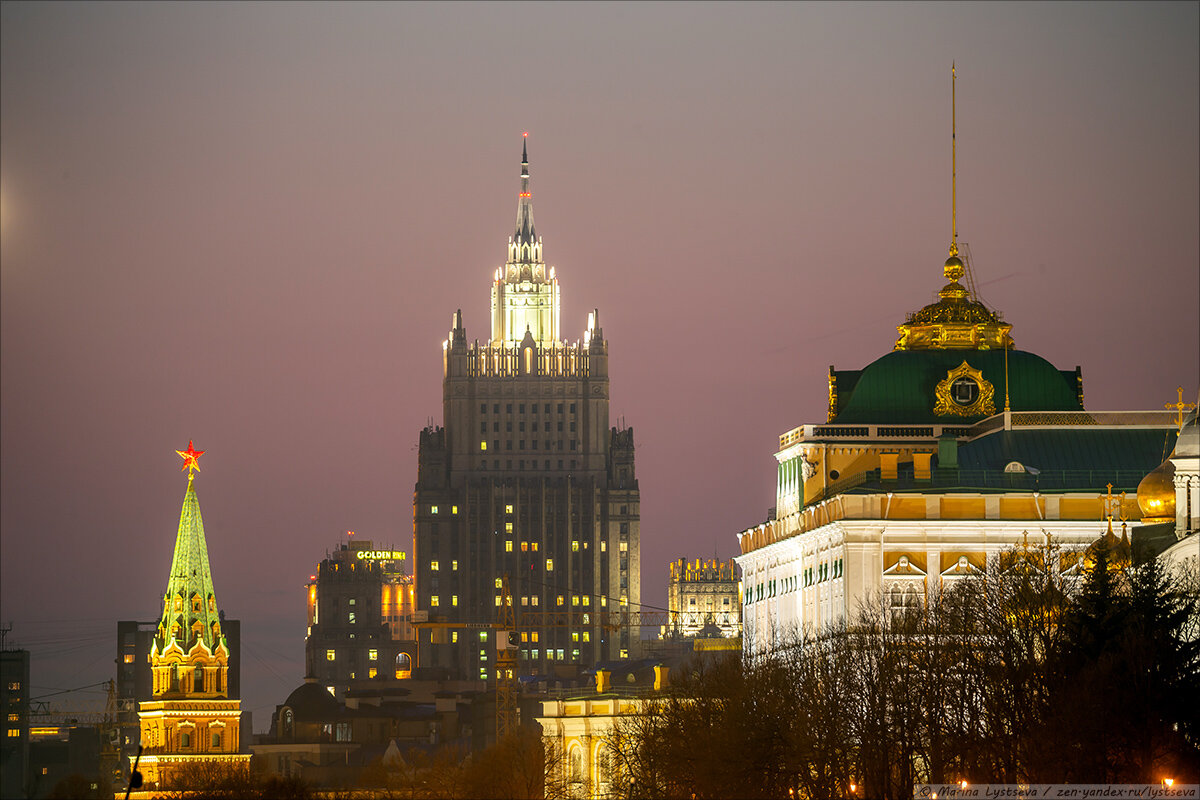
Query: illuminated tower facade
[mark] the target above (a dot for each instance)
(525, 479)
(190, 719)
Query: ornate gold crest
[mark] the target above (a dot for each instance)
(964, 393)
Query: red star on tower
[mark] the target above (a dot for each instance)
(190, 458)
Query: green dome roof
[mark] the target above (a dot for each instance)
(901, 387)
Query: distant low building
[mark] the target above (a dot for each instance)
(14, 704)
(577, 725)
(326, 742)
(360, 602)
(704, 598)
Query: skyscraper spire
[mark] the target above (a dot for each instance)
(525, 233)
(525, 292)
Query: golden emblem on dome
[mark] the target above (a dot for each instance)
(964, 393)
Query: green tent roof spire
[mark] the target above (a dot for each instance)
(190, 603)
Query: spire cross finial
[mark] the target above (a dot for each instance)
(1180, 407)
(1113, 506)
(953, 161)
(190, 457)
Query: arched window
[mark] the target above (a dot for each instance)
(575, 763)
(603, 767)
(403, 665)
(185, 739)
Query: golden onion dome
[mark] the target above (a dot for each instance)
(1156, 494)
(1119, 549)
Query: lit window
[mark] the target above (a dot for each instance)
(330, 655)
(483, 636)
(535, 636)
(587, 636)
(351, 617)
(524, 547)
(574, 636)
(508, 527)
(624, 654)
(549, 565)
(433, 509)
(508, 509)
(603, 546)
(353, 601)
(497, 600)
(372, 655)
(453, 599)
(454, 565)
(372, 672)
(508, 546)
(499, 582)
(586, 600)
(433, 566)
(560, 599)
(433, 600)
(535, 546)
(624, 546)
(14, 717)
(453, 509)
(575, 547)
(483, 444)
(13, 733)
(574, 599)
(535, 599)
(454, 634)
(129, 658)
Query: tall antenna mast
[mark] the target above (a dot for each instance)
(953, 162)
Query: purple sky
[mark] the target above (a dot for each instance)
(248, 225)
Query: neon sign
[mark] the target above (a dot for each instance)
(381, 555)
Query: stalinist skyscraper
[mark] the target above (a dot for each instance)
(526, 480)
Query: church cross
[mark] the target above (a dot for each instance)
(1179, 407)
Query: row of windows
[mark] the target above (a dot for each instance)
(813, 575)
(533, 408)
(533, 445)
(521, 464)
(508, 426)
(185, 740)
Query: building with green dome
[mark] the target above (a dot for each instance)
(933, 459)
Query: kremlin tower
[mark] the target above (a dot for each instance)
(190, 721)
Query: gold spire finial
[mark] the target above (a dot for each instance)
(953, 161)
